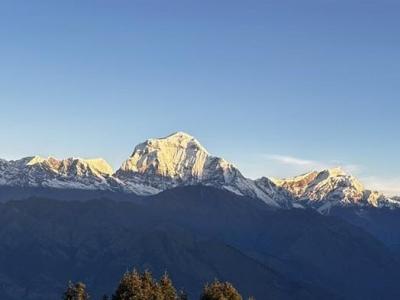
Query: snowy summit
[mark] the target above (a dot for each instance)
(180, 160)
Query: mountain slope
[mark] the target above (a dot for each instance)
(197, 233)
(329, 188)
(382, 223)
(180, 160)
(302, 244)
(45, 243)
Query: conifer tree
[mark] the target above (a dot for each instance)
(76, 291)
(167, 289)
(129, 287)
(150, 288)
(220, 291)
(135, 286)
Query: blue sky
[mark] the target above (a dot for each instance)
(277, 87)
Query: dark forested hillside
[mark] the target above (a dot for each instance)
(195, 233)
(382, 223)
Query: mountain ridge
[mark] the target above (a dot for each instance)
(180, 160)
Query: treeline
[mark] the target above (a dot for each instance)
(142, 286)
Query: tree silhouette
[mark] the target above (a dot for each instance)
(142, 286)
(76, 291)
(136, 286)
(220, 291)
(167, 289)
(130, 287)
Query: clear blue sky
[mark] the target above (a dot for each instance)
(277, 87)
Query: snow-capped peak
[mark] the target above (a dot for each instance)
(178, 160)
(35, 160)
(100, 165)
(178, 156)
(72, 165)
(337, 171)
(37, 171)
(328, 188)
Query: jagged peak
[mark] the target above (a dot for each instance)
(179, 159)
(177, 155)
(179, 134)
(97, 165)
(328, 184)
(100, 165)
(306, 177)
(178, 139)
(332, 172)
(336, 171)
(339, 172)
(34, 160)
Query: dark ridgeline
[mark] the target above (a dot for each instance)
(197, 234)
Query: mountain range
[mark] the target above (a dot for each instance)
(320, 235)
(180, 160)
